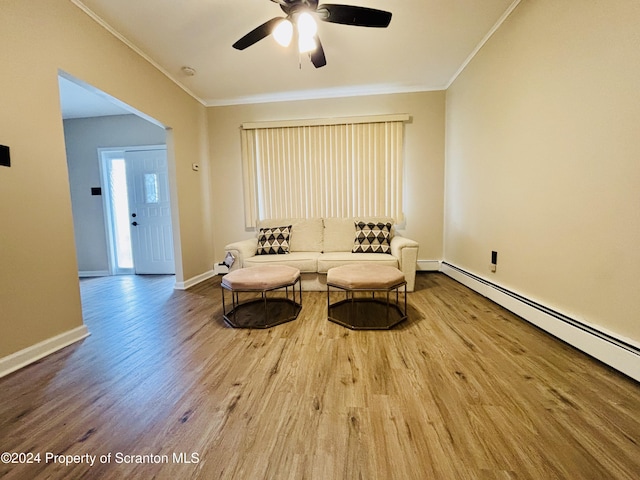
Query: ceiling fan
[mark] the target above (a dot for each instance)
(300, 17)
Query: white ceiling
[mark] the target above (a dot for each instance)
(424, 47)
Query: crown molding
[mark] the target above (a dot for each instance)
(344, 92)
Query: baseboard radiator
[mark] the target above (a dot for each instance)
(616, 352)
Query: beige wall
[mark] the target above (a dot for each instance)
(543, 160)
(424, 159)
(39, 297)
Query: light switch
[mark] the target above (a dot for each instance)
(5, 158)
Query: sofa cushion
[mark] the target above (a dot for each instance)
(306, 233)
(274, 240)
(306, 262)
(372, 237)
(338, 234)
(335, 259)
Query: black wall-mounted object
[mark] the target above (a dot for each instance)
(5, 157)
(494, 258)
(96, 191)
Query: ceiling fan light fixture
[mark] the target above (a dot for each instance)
(306, 44)
(301, 21)
(307, 26)
(283, 33)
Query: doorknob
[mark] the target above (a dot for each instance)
(135, 224)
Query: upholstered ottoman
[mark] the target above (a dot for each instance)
(361, 309)
(263, 309)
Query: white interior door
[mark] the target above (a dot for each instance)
(150, 210)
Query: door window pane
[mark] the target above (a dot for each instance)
(151, 188)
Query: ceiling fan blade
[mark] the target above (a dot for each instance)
(317, 56)
(257, 33)
(353, 15)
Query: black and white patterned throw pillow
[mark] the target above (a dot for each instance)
(273, 240)
(372, 238)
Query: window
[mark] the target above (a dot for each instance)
(151, 188)
(324, 168)
(116, 197)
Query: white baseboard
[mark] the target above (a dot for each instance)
(614, 350)
(194, 280)
(428, 265)
(40, 350)
(93, 273)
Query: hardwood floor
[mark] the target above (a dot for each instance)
(462, 390)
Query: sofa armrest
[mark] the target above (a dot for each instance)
(241, 251)
(406, 251)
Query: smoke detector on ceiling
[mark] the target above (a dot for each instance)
(188, 71)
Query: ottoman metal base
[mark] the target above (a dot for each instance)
(262, 312)
(367, 313)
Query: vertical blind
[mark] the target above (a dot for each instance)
(346, 168)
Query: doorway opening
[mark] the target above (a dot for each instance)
(107, 191)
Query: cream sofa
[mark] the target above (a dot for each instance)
(318, 244)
